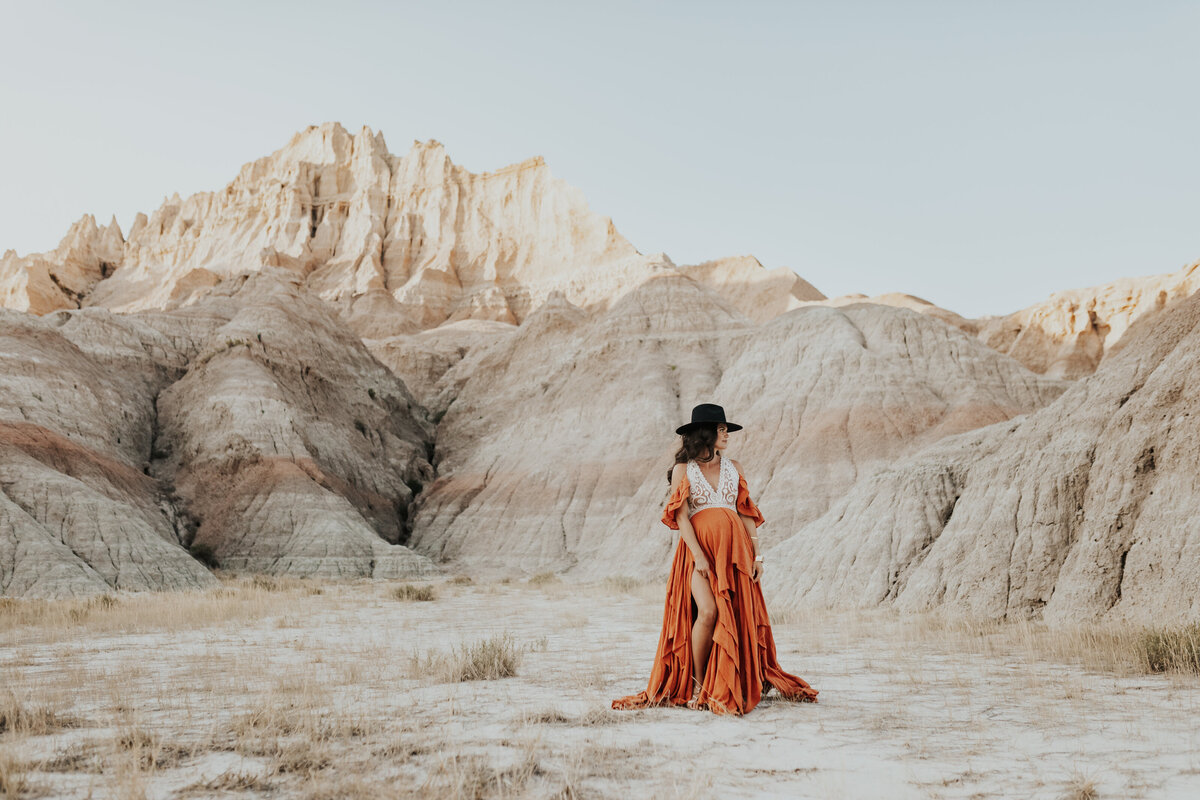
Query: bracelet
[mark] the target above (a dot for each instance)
(758, 559)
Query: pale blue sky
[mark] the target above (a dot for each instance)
(980, 155)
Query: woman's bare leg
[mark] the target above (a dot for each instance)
(702, 628)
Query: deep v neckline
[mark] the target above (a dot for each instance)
(720, 473)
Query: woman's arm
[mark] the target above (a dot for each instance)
(686, 531)
(689, 538)
(751, 531)
(751, 527)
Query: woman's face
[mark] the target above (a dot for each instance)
(722, 437)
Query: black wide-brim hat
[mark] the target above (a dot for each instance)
(707, 414)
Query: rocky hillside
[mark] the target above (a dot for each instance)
(252, 427)
(555, 440)
(1081, 510)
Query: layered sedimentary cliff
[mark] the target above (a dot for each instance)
(1083, 509)
(61, 278)
(555, 441)
(416, 235)
(1070, 333)
(254, 424)
(77, 513)
(759, 293)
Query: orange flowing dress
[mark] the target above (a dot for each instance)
(742, 665)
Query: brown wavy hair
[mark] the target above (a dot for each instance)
(700, 444)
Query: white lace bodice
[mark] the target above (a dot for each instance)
(704, 495)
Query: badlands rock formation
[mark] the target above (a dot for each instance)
(77, 513)
(555, 441)
(371, 232)
(293, 449)
(421, 359)
(1069, 334)
(253, 423)
(757, 292)
(398, 244)
(898, 300)
(1081, 510)
(61, 278)
(230, 378)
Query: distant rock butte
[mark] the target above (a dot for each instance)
(758, 293)
(1069, 334)
(398, 244)
(61, 278)
(899, 300)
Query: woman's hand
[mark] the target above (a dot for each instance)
(701, 566)
(756, 571)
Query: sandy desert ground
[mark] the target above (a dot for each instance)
(286, 688)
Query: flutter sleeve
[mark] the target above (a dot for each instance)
(745, 505)
(679, 498)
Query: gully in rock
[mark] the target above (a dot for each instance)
(716, 650)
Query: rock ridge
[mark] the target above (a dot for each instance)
(152, 436)
(1080, 510)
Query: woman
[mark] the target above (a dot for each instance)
(716, 650)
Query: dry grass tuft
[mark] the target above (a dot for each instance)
(297, 741)
(135, 739)
(1170, 649)
(80, 758)
(84, 610)
(296, 736)
(282, 583)
(622, 583)
(14, 783)
(149, 752)
(1081, 787)
(300, 757)
(404, 749)
(16, 717)
(308, 718)
(348, 787)
(600, 716)
(594, 718)
(544, 579)
(551, 716)
(411, 592)
(461, 580)
(228, 782)
(471, 777)
(485, 660)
